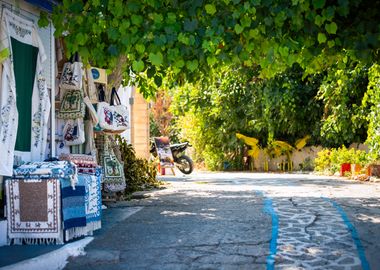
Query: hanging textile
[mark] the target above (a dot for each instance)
(34, 211)
(74, 208)
(24, 98)
(93, 200)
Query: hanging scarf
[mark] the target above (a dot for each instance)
(20, 35)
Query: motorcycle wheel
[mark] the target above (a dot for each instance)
(185, 164)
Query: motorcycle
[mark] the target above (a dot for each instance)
(183, 162)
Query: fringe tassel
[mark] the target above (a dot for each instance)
(82, 231)
(75, 232)
(36, 241)
(93, 226)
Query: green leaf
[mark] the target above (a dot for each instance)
(250, 47)
(183, 39)
(192, 65)
(331, 28)
(254, 33)
(318, 20)
(284, 51)
(321, 38)
(140, 48)
(136, 19)
(81, 38)
(331, 43)
(211, 60)
(319, 3)
(179, 63)
(210, 9)
(156, 58)
(238, 29)
(245, 21)
(138, 66)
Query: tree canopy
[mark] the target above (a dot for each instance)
(176, 40)
(273, 69)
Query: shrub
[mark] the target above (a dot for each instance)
(139, 173)
(330, 160)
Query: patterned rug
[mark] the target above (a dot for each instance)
(53, 169)
(93, 201)
(73, 208)
(34, 211)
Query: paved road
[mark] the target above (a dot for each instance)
(244, 221)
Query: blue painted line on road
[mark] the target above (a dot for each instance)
(354, 233)
(268, 208)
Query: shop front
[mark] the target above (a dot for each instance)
(58, 124)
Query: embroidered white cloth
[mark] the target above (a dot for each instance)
(25, 32)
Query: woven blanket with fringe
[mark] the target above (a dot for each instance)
(47, 170)
(73, 208)
(93, 205)
(34, 211)
(93, 200)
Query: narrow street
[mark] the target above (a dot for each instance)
(242, 221)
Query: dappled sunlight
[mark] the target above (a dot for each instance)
(182, 213)
(368, 218)
(177, 214)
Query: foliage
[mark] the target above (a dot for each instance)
(342, 90)
(154, 131)
(139, 173)
(330, 160)
(214, 109)
(161, 118)
(177, 41)
(211, 112)
(372, 98)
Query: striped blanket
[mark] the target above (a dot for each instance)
(73, 208)
(82, 207)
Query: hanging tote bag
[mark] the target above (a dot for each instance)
(113, 177)
(120, 113)
(113, 118)
(72, 105)
(73, 132)
(72, 74)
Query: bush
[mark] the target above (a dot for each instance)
(329, 161)
(139, 173)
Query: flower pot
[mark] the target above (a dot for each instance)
(345, 167)
(355, 169)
